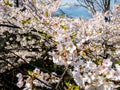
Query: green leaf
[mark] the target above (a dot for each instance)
(8, 3)
(67, 83)
(113, 49)
(44, 35)
(73, 35)
(46, 13)
(76, 88)
(118, 62)
(28, 20)
(30, 72)
(65, 27)
(72, 86)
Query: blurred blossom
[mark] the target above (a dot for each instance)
(118, 68)
(107, 63)
(29, 82)
(19, 75)
(36, 82)
(36, 71)
(20, 84)
(28, 85)
(70, 47)
(54, 78)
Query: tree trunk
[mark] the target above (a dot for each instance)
(107, 6)
(17, 3)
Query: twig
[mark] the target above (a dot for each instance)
(33, 65)
(56, 88)
(11, 26)
(25, 72)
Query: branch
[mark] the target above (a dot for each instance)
(11, 26)
(31, 64)
(99, 4)
(56, 88)
(25, 72)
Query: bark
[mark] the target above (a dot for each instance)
(103, 5)
(107, 5)
(17, 3)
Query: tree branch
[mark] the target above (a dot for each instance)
(11, 26)
(56, 88)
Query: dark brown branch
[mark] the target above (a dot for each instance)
(10, 26)
(17, 3)
(61, 78)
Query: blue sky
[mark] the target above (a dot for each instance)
(70, 2)
(69, 8)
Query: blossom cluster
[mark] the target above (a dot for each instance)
(92, 48)
(87, 75)
(36, 78)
